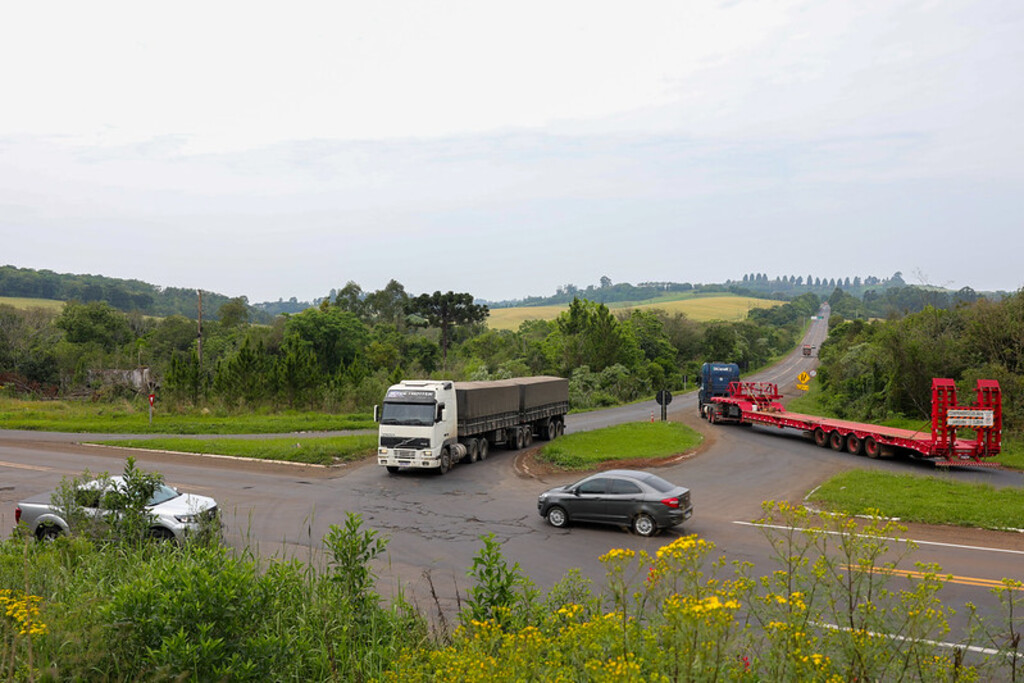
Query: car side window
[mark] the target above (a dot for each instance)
(594, 486)
(621, 486)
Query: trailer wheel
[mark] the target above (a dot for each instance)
(472, 452)
(871, 447)
(528, 436)
(550, 430)
(560, 428)
(836, 441)
(853, 444)
(711, 416)
(820, 437)
(481, 449)
(520, 439)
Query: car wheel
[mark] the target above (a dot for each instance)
(158, 533)
(392, 469)
(48, 532)
(557, 517)
(643, 525)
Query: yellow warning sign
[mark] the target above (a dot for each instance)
(803, 378)
(802, 387)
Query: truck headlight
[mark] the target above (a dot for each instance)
(427, 454)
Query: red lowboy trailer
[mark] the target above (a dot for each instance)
(757, 403)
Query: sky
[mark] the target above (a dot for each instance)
(272, 150)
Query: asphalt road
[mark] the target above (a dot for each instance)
(434, 523)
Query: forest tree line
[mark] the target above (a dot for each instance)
(341, 355)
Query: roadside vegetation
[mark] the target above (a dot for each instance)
(634, 441)
(831, 609)
(300, 448)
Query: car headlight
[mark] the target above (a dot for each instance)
(187, 519)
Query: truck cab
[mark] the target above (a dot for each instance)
(714, 381)
(418, 422)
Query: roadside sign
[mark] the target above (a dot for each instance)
(803, 378)
(802, 387)
(814, 373)
(152, 397)
(663, 397)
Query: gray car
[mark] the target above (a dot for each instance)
(640, 500)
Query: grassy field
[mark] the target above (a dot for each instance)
(22, 303)
(300, 448)
(930, 500)
(620, 444)
(129, 418)
(700, 308)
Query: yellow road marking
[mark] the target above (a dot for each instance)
(19, 466)
(963, 580)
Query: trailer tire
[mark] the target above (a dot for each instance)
(560, 428)
(550, 430)
(820, 437)
(871, 447)
(836, 441)
(482, 449)
(711, 416)
(472, 451)
(528, 436)
(854, 445)
(520, 438)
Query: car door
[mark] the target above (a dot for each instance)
(623, 500)
(589, 502)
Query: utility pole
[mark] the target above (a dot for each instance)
(199, 337)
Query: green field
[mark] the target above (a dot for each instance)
(23, 304)
(126, 417)
(300, 448)
(929, 500)
(696, 307)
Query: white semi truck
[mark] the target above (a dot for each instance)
(431, 424)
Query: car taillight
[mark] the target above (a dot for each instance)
(17, 514)
(671, 502)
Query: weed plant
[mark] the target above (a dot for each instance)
(834, 608)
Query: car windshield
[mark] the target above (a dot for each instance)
(419, 414)
(657, 483)
(162, 495)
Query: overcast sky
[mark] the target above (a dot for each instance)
(274, 150)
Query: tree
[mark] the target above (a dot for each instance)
(606, 282)
(388, 305)
(350, 299)
(234, 312)
(446, 311)
(334, 335)
(94, 322)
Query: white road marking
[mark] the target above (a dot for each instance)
(902, 540)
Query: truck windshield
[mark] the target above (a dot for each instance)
(420, 414)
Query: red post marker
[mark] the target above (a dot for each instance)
(152, 397)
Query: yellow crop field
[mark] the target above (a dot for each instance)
(23, 303)
(704, 308)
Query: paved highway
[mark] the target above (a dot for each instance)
(434, 523)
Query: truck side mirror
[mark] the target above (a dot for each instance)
(697, 377)
(376, 413)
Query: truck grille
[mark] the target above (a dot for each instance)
(396, 441)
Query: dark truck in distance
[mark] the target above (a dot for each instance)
(714, 380)
(172, 514)
(431, 424)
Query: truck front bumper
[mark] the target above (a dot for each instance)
(390, 457)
